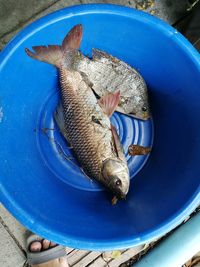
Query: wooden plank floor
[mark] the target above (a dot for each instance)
(83, 258)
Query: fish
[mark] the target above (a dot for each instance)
(84, 120)
(134, 150)
(107, 73)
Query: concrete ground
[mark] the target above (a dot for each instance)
(15, 15)
(13, 248)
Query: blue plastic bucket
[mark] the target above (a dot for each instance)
(46, 192)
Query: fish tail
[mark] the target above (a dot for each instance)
(58, 54)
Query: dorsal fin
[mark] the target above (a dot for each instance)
(118, 145)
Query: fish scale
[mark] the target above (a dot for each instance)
(85, 143)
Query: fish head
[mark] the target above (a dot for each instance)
(140, 109)
(116, 176)
(136, 106)
(143, 112)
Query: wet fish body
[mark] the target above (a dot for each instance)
(86, 123)
(87, 127)
(106, 73)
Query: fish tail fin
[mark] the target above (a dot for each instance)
(56, 54)
(73, 39)
(51, 54)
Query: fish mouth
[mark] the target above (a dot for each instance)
(120, 195)
(116, 198)
(144, 116)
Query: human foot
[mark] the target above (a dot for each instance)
(43, 253)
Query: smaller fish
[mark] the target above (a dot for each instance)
(134, 150)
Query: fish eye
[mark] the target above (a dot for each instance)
(118, 182)
(144, 108)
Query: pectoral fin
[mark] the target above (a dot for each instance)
(118, 145)
(134, 150)
(109, 102)
(59, 118)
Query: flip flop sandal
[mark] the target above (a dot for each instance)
(45, 255)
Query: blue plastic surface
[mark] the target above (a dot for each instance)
(59, 157)
(162, 193)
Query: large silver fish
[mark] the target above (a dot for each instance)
(109, 74)
(87, 126)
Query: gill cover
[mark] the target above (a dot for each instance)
(116, 176)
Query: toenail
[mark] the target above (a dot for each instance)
(45, 244)
(52, 244)
(35, 246)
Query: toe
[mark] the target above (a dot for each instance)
(36, 246)
(45, 244)
(52, 244)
